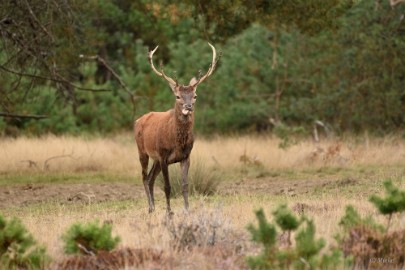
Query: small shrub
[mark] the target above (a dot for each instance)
(394, 201)
(285, 219)
(202, 229)
(288, 135)
(126, 258)
(201, 180)
(307, 253)
(18, 248)
(353, 219)
(266, 235)
(367, 246)
(89, 239)
(368, 242)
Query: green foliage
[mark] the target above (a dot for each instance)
(347, 73)
(352, 219)
(285, 218)
(89, 238)
(394, 201)
(307, 247)
(265, 233)
(288, 135)
(18, 249)
(307, 252)
(362, 239)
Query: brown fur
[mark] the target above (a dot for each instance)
(167, 138)
(165, 135)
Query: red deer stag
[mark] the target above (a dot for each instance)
(167, 137)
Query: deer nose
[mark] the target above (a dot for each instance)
(188, 107)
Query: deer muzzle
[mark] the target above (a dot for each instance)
(187, 109)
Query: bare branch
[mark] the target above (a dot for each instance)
(396, 2)
(61, 80)
(37, 21)
(116, 76)
(25, 116)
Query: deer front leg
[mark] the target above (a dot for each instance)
(185, 165)
(165, 171)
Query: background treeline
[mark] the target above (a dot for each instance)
(284, 64)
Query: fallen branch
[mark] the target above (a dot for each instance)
(34, 164)
(31, 163)
(46, 165)
(85, 250)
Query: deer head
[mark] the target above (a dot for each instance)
(185, 94)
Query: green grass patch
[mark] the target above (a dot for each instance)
(65, 177)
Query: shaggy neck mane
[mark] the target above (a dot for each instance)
(184, 126)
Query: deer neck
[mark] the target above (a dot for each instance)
(184, 126)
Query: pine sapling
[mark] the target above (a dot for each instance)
(264, 234)
(394, 201)
(89, 239)
(18, 249)
(308, 248)
(286, 220)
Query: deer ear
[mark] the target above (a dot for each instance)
(193, 81)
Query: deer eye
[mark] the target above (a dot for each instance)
(177, 97)
(195, 97)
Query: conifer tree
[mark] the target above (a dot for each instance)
(394, 201)
(18, 249)
(286, 220)
(89, 239)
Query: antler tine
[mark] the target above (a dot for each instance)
(199, 75)
(175, 77)
(161, 74)
(212, 66)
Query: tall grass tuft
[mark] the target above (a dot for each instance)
(202, 180)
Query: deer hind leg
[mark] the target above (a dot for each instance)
(165, 171)
(185, 165)
(153, 173)
(144, 159)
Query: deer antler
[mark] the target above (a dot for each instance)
(212, 66)
(161, 74)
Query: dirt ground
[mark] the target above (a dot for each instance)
(28, 194)
(22, 195)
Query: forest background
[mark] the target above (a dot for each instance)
(81, 67)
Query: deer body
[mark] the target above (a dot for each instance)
(167, 137)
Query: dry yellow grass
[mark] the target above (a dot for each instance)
(79, 154)
(139, 229)
(119, 154)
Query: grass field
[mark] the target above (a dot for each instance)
(52, 182)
